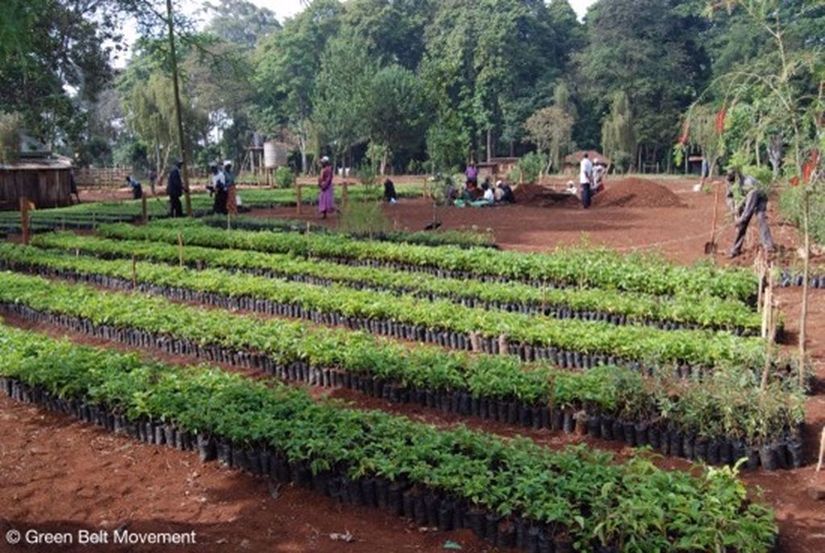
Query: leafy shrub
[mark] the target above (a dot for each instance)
(365, 218)
(529, 168)
(790, 206)
(284, 177)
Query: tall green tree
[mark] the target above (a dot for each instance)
(618, 133)
(286, 66)
(241, 22)
(650, 51)
(396, 112)
(342, 93)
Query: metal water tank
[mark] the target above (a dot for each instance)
(275, 154)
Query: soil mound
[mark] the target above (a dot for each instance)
(541, 196)
(635, 192)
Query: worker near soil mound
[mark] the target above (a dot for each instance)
(135, 187)
(754, 202)
(586, 180)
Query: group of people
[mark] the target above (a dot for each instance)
(223, 188)
(482, 196)
(591, 179)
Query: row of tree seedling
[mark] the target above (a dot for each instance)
(565, 268)
(727, 415)
(679, 312)
(567, 343)
(510, 492)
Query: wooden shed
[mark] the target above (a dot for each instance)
(43, 179)
(571, 162)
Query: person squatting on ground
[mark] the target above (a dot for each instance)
(174, 189)
(219, 188)
(326, 193)
(136, 188)
(231, 192)
(755, 202)
(586, 180)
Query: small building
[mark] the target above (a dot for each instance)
(38, 175)
(497, 166)
(572, 162)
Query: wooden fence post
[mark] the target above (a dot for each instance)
(24, 219)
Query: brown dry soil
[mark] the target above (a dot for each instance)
(60, 475)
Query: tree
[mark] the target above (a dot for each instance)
(53, 54)
(342, 90)
(241, 22)
(395, 30)
(618, 135)
(704, 132)
(149, 107)
(286, 66)
(650, 51)
(550, 129)
(785, 85)
(396, 114)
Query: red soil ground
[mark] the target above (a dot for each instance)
(58, 474)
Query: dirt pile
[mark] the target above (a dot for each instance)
(542, 196)
(635, 192)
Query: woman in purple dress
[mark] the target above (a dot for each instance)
(326, 195)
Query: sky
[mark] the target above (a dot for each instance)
(287, 8)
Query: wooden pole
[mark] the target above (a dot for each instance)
(144, 211)
(180, 249)
(806, 270)
(24, 219)
(345, 195)
(298, 189)
(181, 140)
(134, 272)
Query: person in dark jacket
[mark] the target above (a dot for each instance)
(390, 195)
(174, 189)
(755, 202)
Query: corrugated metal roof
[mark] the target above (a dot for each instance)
(38, 164)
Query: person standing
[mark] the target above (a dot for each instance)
(755, 202)
(326, 193)
(174, 189)
(219, 186)
(472, 173)
(599, 170)
(153, 178)
(231, 199)
(586, 180)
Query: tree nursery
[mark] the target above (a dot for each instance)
(412, 276)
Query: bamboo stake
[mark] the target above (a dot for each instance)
(180, 249)
(24, 219)
(134, 272)
(144, 210)
(803, 317)
(503, 347)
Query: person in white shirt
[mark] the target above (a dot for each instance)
(598, 176)
(586, 180)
